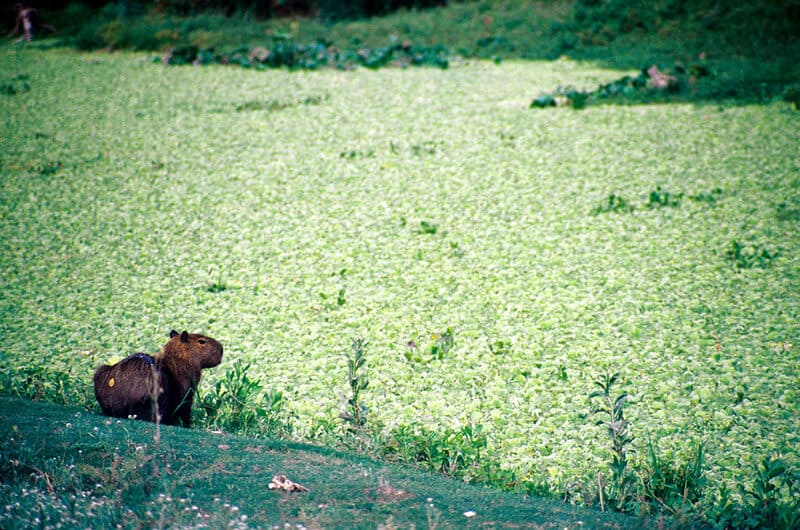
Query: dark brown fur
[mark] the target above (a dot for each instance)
(136, 384)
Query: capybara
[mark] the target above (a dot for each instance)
(157, 388)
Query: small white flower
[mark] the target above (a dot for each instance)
(470, 514)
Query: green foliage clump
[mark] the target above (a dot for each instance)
(659, 198)
(319, 54)
(47, 383)
(426, 227)
(657, 485)
(16, 84)
(614, 203)
(749, 255)
(543, 101)
(671, 486)
(789, 210)
(240, 404)
(120, 33)
(770, 500)
(708, 197)
(652, 84)
(442, 343)
(500, 347)
(773, 501)
(454, 452)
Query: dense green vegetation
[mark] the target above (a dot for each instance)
(499, 263)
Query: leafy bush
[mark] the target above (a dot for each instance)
(651, 84)
(771, 500)
(312, 56)
(454, 452)
(89, 37)
(45, 383)
(239, 404)
(671, 486)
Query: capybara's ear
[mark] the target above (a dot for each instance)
(184, 337)
(172, 333)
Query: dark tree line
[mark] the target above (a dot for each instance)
(331, 9)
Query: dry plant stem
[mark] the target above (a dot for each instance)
(157, 435)
(600, 492)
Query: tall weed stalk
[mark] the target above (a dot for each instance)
(619, 493)
(353, 411)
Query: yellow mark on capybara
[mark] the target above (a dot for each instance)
(111, 382)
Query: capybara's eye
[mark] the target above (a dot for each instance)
(202, 341)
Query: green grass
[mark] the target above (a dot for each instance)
(136, 198)
(61, 466)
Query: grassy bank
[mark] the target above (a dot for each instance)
(63, 466)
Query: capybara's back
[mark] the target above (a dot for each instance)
(128, 388)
